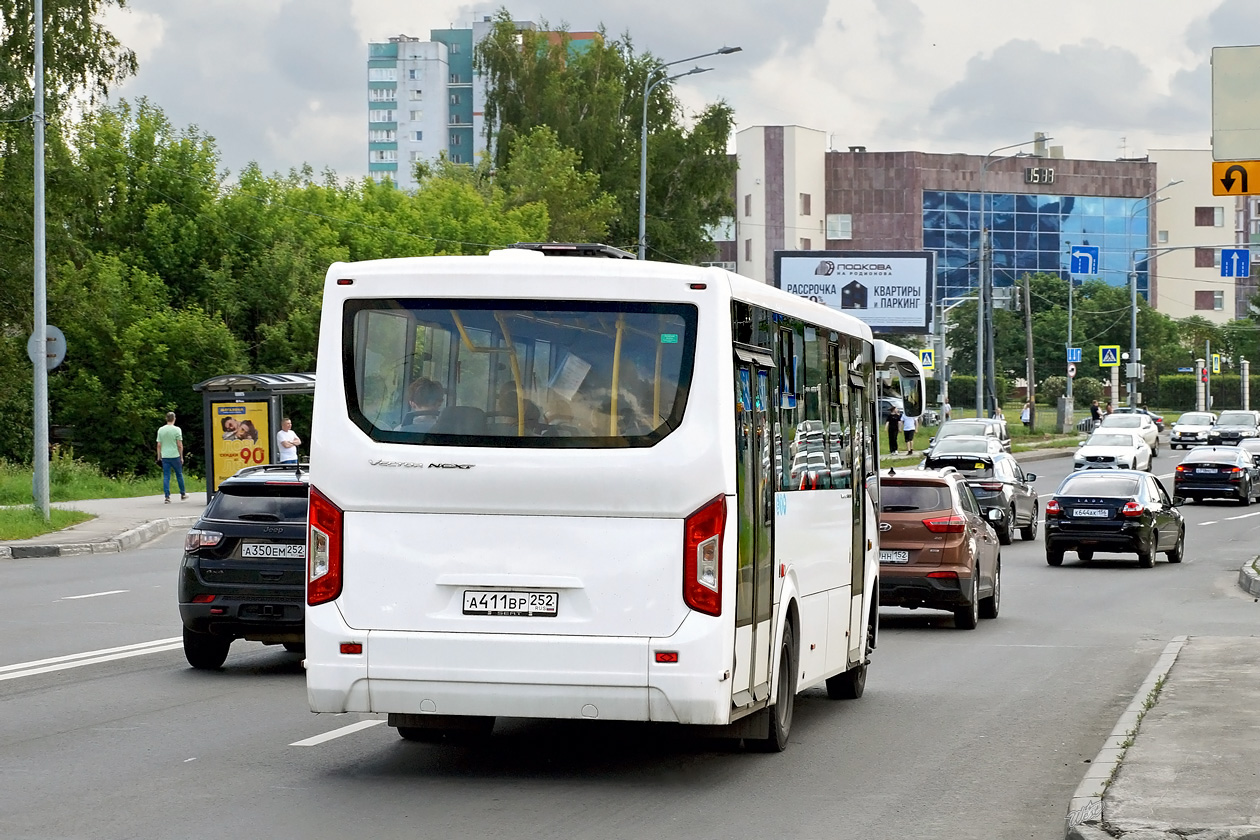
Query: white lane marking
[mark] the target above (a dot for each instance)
(337, 733)
(94, 595)
(1210, 522)
(1241, 516)
(91, 657)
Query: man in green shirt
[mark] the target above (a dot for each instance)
(170, 451)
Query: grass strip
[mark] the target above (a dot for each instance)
(25, 522)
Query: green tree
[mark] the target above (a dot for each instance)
(541, 170)
(592, 98)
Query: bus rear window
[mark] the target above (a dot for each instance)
(518, 373)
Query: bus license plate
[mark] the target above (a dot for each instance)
(894, 556)
(481, 602)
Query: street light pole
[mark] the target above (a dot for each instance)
(984, 315)
(647, 92)
(1133, 347)
(40, 333)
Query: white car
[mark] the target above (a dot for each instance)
(1191, 429)
(1136, 422)
(1114, 449)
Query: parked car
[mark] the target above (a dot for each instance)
(1233, 426)
(965, 445)
(886, 405)
(1157, 419)
(1123, 511)
(1221, 472)
(936, 548)
(993, 427)
(1141, 422)
(1111, 449)
(243, 574)
(1192, 428)
(999, 483)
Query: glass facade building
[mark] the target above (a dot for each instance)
(1032, 233)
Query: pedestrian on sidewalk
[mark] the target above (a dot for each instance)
(908, 426)
(894, 429)
(170, 451)
(287, 442)
(1025, 415)
(1095, 413)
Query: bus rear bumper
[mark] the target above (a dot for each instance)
(528, 676)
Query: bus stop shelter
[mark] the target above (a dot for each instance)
(242, 413)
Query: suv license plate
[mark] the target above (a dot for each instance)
(291, 551)
(1097, 513)
(894, 556)
(481, 602)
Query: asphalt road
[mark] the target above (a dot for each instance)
(106, 733)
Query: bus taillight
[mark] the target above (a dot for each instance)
(702, 557)
(323, 582)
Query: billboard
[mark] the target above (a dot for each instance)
(240, 437)
(890, 290)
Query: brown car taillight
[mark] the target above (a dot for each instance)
(323, 580)
(702, 557)
(952, 524)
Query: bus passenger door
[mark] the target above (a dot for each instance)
(754, 585)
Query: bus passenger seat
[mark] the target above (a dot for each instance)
(461, 420)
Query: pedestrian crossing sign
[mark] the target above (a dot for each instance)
(927, 359)
(1216, 363)
(1109, 355)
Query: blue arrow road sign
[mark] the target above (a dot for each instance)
(1084, 259)
(1235, 262)
(1074, 354)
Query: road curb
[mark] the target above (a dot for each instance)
(1249, 579)
(125, 541)
(1085, 811)
(1043, 454)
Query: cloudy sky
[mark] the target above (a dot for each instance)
(283, 82)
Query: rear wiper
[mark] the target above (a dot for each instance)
(259, 517)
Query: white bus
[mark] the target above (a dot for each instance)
(583, 487)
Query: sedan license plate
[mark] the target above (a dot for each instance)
(481, 602)
(1202, 471)
(1097, 513)
(894, 555)
(290, 551)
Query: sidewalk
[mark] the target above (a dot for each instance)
(1184, 759)
(119, 525)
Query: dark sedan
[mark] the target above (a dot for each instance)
(1218, 472)
(1123, 511)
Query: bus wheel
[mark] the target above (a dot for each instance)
(781, 712)
(849, 685)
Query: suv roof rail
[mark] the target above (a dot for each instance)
(294, 468)
(575, 249)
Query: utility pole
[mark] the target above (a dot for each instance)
(40, 463)
(1032, 372)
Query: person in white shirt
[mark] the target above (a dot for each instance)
(287, 442)
(908, 426)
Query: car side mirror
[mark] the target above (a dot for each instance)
(995, 515)
(1082, 443)
(1178, 501)
(931, 441)
(1030, 476)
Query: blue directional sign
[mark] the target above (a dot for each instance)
(1084, 260)
(1235, 262)
(1074, 354)
(1185, 370)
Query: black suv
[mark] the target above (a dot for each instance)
(244, 569)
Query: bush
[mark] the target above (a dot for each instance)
(1177, 391)
(1084, 390)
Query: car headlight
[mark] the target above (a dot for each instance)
(1245, 433)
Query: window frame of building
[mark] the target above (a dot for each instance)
(416, 116)
(805, 204)
(457, 140)
(455, 100)
(839, 225)
(1209, 300)
(747, 250)
(382, 135)
(383, 156)
(382, 74)
(415, 74)
(417, 136)
(416, 93)
(1161, 236)
(748, 204)
(380, 115)
(1209, 216)
(806, 243)
(383, 95)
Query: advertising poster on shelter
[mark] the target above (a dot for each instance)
(239, 437)
(891, 291)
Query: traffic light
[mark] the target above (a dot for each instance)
(1203, 374)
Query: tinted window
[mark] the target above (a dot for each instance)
(1212, 458)
(960, 444)
(260, 503)
(896, 498)
(1095, 484)
(518, 373)
(1237, 418)
(959, 427)
(970, 467)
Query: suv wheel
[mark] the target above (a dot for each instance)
(1004, 535)
(1054, 557)
(989, 606)
(1029, 531)
(967, 617)
(204, 651)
